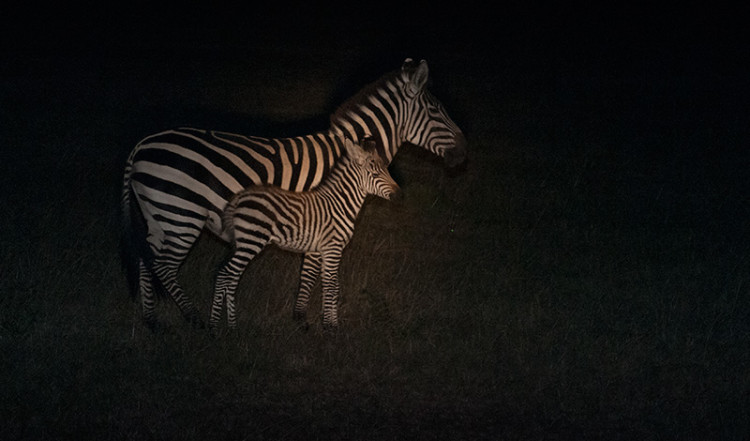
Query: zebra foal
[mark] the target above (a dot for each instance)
(318, 223)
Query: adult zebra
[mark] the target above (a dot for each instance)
(319, 223)
(180, 180)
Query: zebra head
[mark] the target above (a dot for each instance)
(425, 121)
(373, 173)
(398, 108)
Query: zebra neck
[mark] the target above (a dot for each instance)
(314, 155)
(376, 112)
(344, 184)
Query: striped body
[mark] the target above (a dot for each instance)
(178, 182)
(318, 223)
(204, 169)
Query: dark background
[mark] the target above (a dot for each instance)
(662, 63)
(697, 39)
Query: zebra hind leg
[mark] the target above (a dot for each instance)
(148, 299)
(226, 286)
(166, 273)
(309, 274)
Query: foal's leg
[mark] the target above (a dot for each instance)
(330, 265)
(308, 276)
(227, 280)
(226, 284)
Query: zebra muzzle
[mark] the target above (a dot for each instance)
(392, 193)
(456, 156)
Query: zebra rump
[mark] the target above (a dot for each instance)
(133, 244)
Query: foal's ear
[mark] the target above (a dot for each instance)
(355, 152)
(369, 145)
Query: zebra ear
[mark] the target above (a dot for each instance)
(368, 144)
(408, 64)
(355, 152)
(419, 77)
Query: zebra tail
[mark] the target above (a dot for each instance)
(133, 244)
(227, 219)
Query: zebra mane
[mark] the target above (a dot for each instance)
(368, 145)
(352, 104)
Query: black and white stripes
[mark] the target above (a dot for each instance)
(318, 223)
(179, 181)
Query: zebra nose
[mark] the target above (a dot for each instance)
(394, 193)
(456, 155)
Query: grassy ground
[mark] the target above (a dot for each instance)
(585, 278)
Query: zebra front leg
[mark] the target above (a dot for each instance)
(330, 281)
(308, 276)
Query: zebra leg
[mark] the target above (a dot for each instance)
(226, 285)
(330, 281)
(308, 276)
(166, 272)
(146, 291)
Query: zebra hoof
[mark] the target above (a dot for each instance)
(303, 326)
(330, 328)
(155, 326)
(299, 316)
(214, 331)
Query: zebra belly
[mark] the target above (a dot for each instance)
(296, 245)
(304, 242)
